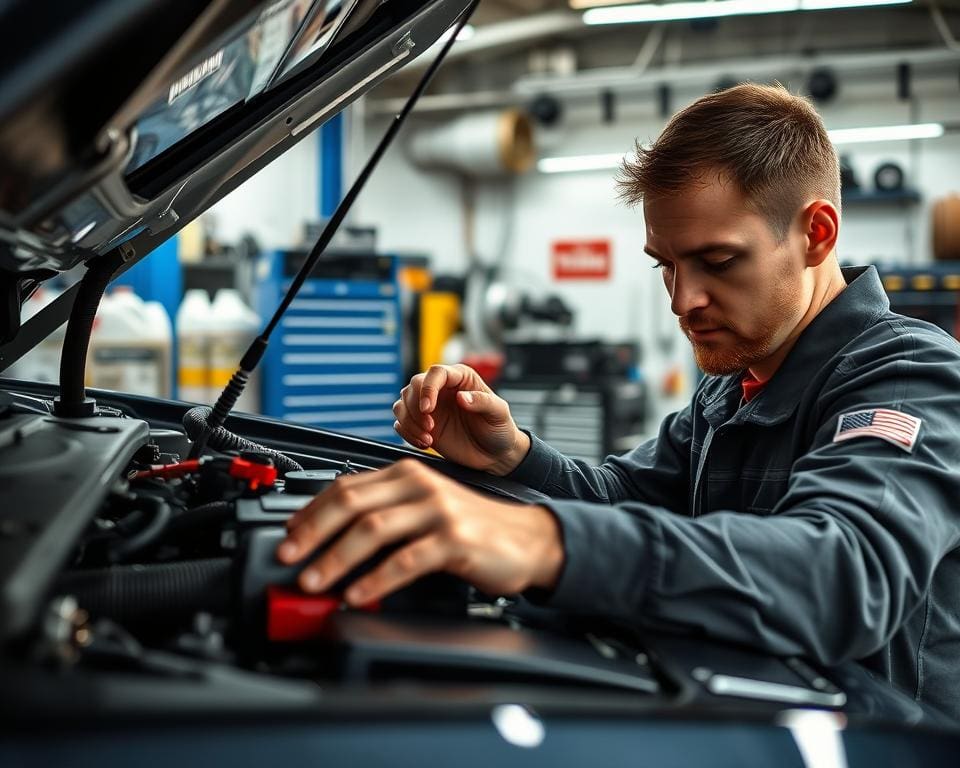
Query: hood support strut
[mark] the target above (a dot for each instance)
(252, 357)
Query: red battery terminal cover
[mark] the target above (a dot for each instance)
(255, 474)
(293, 615)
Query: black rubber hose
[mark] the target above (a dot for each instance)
(204, 515)
(161, 515)
(195, 422)
(76, 342)
(153, 594)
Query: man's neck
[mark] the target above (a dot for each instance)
(825, 291)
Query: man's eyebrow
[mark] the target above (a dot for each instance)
(702, 250)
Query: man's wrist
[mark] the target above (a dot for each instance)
(549, 563)
(514, 456)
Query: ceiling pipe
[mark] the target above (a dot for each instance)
(629, 80)
(516, 33)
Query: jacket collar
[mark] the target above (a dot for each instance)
(860, 305)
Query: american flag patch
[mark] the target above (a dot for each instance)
(895, 427)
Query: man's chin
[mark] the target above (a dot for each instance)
(721, 362)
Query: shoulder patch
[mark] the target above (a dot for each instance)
(895, 427)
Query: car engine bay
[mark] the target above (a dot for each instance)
(125, 564)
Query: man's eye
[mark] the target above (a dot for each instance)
(720, 266)
(660, 265)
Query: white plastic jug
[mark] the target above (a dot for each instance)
(126, 354)
(233, 325)
(42, 363)
(193, 340)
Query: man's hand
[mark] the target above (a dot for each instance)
(452, 410)
(499, 547)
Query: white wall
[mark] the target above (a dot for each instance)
(275, 203)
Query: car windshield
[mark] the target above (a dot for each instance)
(251, 57)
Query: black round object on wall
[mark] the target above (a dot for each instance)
(546, 110)
(822, 85)
(888, 177)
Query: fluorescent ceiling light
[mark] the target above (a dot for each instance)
(624, 14)
(886, 133)
(579, 163)
(466, 33)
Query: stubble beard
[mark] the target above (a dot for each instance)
(724, 358)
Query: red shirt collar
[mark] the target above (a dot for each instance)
(751, 387)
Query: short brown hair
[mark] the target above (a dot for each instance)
(772, 144)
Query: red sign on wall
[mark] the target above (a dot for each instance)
(581, 260)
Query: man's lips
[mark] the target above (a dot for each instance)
(702, 332)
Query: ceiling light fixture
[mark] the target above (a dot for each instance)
(886, 133)
(579, 163)
(626, 14)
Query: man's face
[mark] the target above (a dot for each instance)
(738, 290)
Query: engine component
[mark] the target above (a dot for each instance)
(309, 482)
(437, 594)
(153, 594)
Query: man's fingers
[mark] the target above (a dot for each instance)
(362, 540)
(404, 566)
(437, 378)
(489, 406)
(415, 442)
(336, 507)
(410, 397)
(408, 427)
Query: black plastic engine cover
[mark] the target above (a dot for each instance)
(55, 475)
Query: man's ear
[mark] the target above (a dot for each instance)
(822, 226)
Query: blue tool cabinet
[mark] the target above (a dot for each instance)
(335, 360)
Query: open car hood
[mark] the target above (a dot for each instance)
(121, 122)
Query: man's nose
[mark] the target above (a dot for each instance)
(686, 295)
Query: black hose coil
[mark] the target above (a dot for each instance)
(195, 422)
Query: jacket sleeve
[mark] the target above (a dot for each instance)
(847, 554)
(656, 472)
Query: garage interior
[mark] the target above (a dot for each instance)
(491, 233)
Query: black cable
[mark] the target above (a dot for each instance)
(73, 401)
(251, 358)
(196, 421)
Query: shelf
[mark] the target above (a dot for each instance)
(901, 197)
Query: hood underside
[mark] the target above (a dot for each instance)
(122, 122)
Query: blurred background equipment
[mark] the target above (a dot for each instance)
(930, 292)
(582, 397)
(946, 228)
(888, 177)
(481, 144)
(336, 362)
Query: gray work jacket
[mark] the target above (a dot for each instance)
(754, 523)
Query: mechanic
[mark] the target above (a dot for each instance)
(806, 501)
